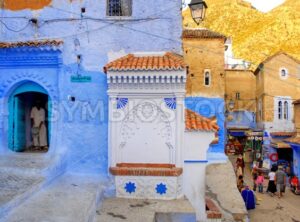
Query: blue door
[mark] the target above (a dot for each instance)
(19, 136)
(49, 115)
(17, 115)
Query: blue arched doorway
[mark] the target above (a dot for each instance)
(20, 104)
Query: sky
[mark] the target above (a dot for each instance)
(262, 5)
(266, 5)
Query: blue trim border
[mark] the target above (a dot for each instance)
(196, 161)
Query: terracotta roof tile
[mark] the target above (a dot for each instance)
(282, 134)
(196, 122)
(277, 54)
(201, 33)
(30, 43)
(296, 102)
(131, 62)
(144, 169)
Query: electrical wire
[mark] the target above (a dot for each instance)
(126, 27)
(12, 30)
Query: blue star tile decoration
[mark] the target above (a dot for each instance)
(161, 189)
(130, 187)
(170, 102)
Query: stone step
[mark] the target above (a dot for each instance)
(133, 210)
(32, 164)
(23, 175)
(69, 198)
(15, 189)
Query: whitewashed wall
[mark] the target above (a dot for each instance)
(196, 145)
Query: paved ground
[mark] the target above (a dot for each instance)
(24, 162)
(129, 210)
(273, 209)
(19, 178)
(13, 185)
(221, 187)
(69, 198)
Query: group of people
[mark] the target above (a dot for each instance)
(277, 178)
(276, 183)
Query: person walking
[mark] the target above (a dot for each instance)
(254, 174)
(280, 181)
(240, 163)
(240, 183)
(259, 182)
(271, 185)
(249, 198)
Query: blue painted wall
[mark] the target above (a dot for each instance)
(98, 39)
(296, 156)
(242, 119)
(211, 107)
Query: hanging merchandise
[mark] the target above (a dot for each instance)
(274, 157)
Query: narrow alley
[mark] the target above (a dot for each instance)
(272, 209)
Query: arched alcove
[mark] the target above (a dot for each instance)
(21, 100)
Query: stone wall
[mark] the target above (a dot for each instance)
(97, 39)
(201, 54)
(271, 85)
(243, 82)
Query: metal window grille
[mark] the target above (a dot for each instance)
(207, 78)
(279, 110)
(286, 110)
(119, 7)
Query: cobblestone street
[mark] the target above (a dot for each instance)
(273, 209)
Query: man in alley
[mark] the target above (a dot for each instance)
(38, 130)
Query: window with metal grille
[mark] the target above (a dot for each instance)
(207, 77)
(286, 110)
(237, 95)
(279, 110)
(119, 7)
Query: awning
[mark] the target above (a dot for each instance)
(237, 133)
(254, 133)
(280, 145)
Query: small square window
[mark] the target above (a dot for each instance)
(119, 8)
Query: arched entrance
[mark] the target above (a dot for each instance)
(21, 135)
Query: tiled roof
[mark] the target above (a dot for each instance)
(282, 134)
(277, 54)
(196, 122)
(201, 33)
(296, 102)
(134, 62)
(30, 43)
(295, 140)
